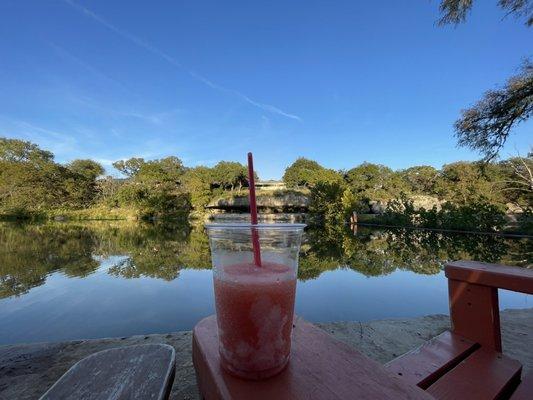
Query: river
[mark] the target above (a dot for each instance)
(62, 281)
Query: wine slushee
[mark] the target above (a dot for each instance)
(255, 308)
(254, 294)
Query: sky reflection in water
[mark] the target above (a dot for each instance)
(72, 281)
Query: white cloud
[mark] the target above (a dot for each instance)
(66, 55)
(58, 142)
(154, 50)
(156, 118)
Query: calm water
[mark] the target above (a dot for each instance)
(89, 280)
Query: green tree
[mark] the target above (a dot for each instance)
(107, 189)
(229, 174)
(302, 172)
(326, 203)
(307, 173)
(29, 179)
(129, 167)
(477, 215)
(368, 176)
(169, 169)
(154, 200)
(455, 11)
(155, 188)
(327, 175)
(197, 181)
(25, 187)
(464, 182)
(87, 168)
(375, 181)
(517, 180)
(15, 150)
(81, 183)
(421, 179)
(486, 125)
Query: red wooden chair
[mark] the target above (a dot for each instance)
(467, 362)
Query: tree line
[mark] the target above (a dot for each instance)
(460, 196)
(32, 183)
(507, 182)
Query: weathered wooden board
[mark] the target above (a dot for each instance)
(485, 375)
(127, 373)
(427, 363)
(516, 279)
(320, 367)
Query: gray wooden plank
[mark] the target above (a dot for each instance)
(133, 372)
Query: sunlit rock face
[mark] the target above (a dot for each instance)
(230, 217)
(377, 206)
(276, 202)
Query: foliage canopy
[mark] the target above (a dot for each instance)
(456, 11)
(486, 125)
(307, 173)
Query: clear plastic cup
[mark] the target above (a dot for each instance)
(254, 304)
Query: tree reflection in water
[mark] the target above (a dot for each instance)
(29, 252)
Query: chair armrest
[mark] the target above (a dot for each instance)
(516, 279)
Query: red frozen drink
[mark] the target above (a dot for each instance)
(255, 307)
(254, 296)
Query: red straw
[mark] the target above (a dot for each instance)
(253, 211)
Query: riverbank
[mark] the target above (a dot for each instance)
(28, 370)
(84, 214)
(511, 234)
(95, 214)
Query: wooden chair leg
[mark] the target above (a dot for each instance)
(475, 313)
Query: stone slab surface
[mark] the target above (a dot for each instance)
(28, 370)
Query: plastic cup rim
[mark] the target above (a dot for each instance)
(247, 225)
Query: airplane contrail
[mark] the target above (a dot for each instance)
(154, 50)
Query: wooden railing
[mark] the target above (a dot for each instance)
(473, 290)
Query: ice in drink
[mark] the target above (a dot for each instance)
(255, 308)
(254, 296)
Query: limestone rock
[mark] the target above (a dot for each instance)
(377, 206)
(286, 201)
(262, 217)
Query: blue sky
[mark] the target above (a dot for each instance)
(340, 82)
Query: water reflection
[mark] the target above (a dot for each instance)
(29, 252)
(375, 252)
